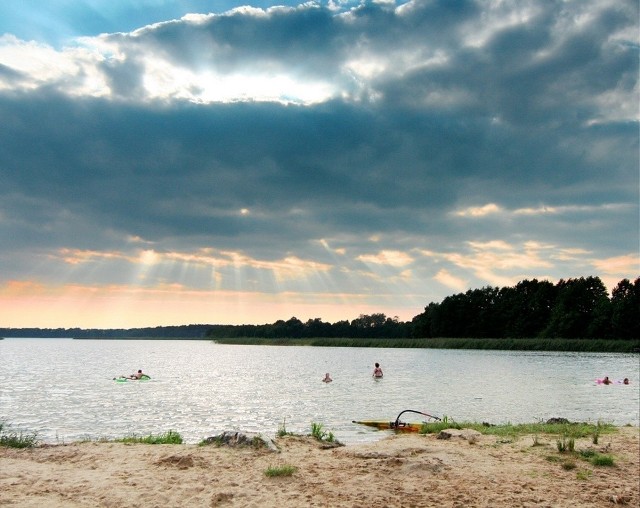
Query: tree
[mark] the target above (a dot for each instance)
(317, 328)
(526, 308)
(625, 310)
(483, 319)
(369, 325)
(580, 310)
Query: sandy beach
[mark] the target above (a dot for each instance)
(407, 470)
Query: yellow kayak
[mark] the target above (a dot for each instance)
(386, 425)
(397, 424)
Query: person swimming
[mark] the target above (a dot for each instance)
(327, 378)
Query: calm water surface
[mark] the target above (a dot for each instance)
(63, 389)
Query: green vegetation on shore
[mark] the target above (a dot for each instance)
(577, 345)
(571, 429)
(566, 430)
(170, 437)
(13, 439)
(283, 470)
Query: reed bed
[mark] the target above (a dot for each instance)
(577, 345)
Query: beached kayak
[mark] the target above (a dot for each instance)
(397, 424)
(387, 425)
(123, 379)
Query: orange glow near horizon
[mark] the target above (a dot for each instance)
(31, 305)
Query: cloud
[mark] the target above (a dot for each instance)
(619, 265)
(396, 259)
(337, 150)
(487, 260)
(450, 281)
(479, 211)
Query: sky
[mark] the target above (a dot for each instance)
(210, 162)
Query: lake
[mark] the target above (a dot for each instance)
(63, 389)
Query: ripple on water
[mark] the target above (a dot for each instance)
(64, 389)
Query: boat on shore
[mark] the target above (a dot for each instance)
(397, 424)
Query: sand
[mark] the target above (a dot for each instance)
(406, 470)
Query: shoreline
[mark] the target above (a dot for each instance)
(611, 346)
(399, 470)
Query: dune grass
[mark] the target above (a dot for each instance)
(566, 442)
(318, 432)
(170, 437)
(282, 429)
(13, 439)
(283, 470)
(566, 430)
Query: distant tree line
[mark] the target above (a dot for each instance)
(184, 331)
(570, 309)
(365, 326)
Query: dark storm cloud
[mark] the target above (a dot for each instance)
(463, 111)
(188, 171)
(9, 75)
(308, 41)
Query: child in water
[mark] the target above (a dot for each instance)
(327, 378)
(377, 372)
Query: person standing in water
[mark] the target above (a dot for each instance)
(327, 378)
(377, 371)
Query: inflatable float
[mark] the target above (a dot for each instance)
(124, 379)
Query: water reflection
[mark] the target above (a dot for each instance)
(64, 389)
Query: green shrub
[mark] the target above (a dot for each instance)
(435, 427)
(569, 430)
(170, 437)
(583, 474)
(318, 432)
(284, 470)
(562, 444)
(602, 460)
(12, 439)
(282, 430)
(566, 444)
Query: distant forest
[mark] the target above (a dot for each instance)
(156, 332)
(571, 309)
